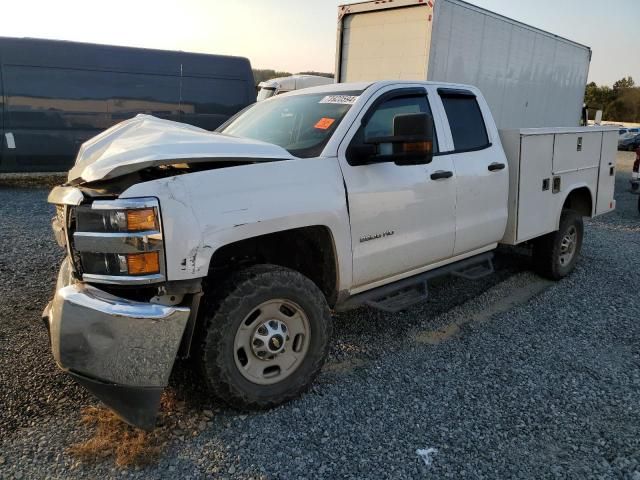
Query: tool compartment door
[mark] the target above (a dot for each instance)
(607, 173)
(576, 151)
(535, 199)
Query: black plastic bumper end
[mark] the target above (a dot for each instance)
(138, 406)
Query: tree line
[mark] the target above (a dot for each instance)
(619, 103)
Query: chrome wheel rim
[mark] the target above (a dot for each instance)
(568, 246)
(271, 342)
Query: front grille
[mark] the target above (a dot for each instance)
(71, 225)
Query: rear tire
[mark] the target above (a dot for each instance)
(266, 336)
(555, 254)
(638, 203)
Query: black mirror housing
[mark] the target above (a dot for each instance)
(361, 154)
(413, 126)
(411, 142)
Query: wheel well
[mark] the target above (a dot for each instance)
(308, 250)
(580, 201)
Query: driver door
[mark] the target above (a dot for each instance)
(402, 217)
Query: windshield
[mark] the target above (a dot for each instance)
(301, 124)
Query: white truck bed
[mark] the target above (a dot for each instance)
(542, 161)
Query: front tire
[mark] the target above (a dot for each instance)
(555, 255)
(266, 337)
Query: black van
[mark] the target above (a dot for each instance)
(54, 95)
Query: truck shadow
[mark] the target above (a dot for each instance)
(365, 326)
(359, 335)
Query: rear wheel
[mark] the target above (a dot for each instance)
(555, 255)
(267, 336)
(638, 203)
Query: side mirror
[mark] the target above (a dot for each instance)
(411, 142)
(362, 154)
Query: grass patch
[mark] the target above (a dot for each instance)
(127, 446)
(32, 180)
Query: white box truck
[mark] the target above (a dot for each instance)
(530, 78)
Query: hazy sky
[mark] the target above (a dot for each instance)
(298, 35)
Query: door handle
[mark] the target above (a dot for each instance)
(440, 174)
(496, 166)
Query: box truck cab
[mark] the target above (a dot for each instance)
(233, 247)
(276, 86)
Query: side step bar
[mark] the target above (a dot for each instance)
(404, 293)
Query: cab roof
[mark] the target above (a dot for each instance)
(361, 86)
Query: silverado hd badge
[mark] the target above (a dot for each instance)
(376, 236)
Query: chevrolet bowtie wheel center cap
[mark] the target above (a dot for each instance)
(269, 339)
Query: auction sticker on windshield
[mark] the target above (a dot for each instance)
(340, 99)
(324, 123)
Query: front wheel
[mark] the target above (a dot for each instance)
(555, 254)
(267, 336)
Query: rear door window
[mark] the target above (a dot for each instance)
(465, 120)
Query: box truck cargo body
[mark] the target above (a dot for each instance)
(530, 78)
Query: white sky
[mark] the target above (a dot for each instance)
(298, 35)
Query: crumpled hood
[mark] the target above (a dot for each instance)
(145, 141)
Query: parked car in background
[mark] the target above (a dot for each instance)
(635, 176)
(279, 85)
(629, 133)
(58, 94)
(630, 143)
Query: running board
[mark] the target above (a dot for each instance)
(400, 299)
(410, 291)
(475, 272)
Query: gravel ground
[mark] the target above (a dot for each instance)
(511, 376)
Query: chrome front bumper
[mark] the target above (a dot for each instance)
(122, 351)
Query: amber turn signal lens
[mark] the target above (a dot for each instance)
(143, 263)
(417, 147)
(141, 219)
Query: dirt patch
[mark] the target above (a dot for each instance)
(344, 366)
(437, 336)
(516, 297)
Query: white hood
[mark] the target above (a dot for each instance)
(145, 141)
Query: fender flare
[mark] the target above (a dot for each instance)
(251, 231)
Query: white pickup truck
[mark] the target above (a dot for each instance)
(235, 246)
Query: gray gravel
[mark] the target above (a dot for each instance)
(509, 377)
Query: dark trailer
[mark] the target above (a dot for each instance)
(56, 94)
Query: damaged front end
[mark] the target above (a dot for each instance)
(113, 323)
